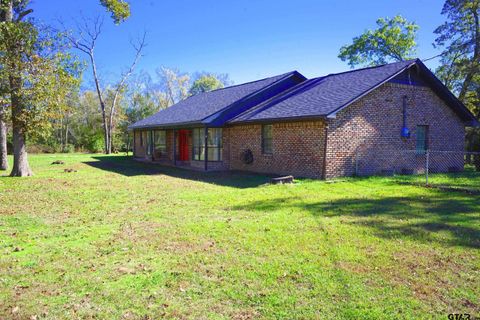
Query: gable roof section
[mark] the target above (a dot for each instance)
(208, 107)
(325, 96)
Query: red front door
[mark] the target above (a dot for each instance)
(183, 145)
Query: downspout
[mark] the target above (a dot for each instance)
(324, 171)
(152, 146)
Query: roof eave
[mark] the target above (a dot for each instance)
(168, 125)
(284, 119)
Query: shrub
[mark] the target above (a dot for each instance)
(69, 148)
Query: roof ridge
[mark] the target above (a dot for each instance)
(254, 81)
(371, 67)
(282, 95)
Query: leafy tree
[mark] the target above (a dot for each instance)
(119, 9)
(40, 77)
(34, 78)
(86, 123)
(393, 40)
(459, 37)
(6, 15)
(205, 83)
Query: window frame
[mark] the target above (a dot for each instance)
(163, 149)
(198, 144)
(264, 139)
(149, 145)
(422, 149)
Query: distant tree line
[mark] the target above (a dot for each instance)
(81, 126)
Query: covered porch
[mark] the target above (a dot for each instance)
(199, 148)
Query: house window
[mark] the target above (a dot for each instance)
(422, 139)
(149, 142)
(198, 144)
(267, 139)
(140, 133)
(215, 147)
(160, 141)
(214, 140)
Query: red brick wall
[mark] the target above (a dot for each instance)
(367, 133)
(298, 148)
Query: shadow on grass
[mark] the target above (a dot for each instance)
(125, 165)
(445, 218)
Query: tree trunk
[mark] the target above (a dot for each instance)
(66, 135)
(110, 133)
(3, 144)
(20, 160)
(100, 99)
(106, 132)
(5, 16)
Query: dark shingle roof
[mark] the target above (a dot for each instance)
(325, 95)
(198, 107)
(291, 96)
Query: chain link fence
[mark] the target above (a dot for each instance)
(440, 168)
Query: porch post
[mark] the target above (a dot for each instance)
(206, 148)
(174, 147)
(152, 146)
(133, 147)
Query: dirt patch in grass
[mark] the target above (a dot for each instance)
(354, 267)
(432, 276)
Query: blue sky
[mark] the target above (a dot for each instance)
(248, 39)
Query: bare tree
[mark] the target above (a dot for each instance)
(120, 87)
(85, 41)
(175, 84)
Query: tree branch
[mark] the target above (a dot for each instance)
(138, 54)
(23, 14)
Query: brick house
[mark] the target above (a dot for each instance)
(316, 128)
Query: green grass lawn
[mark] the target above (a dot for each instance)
(124, 240)
(468, 180)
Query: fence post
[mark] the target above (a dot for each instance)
(427, 164)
